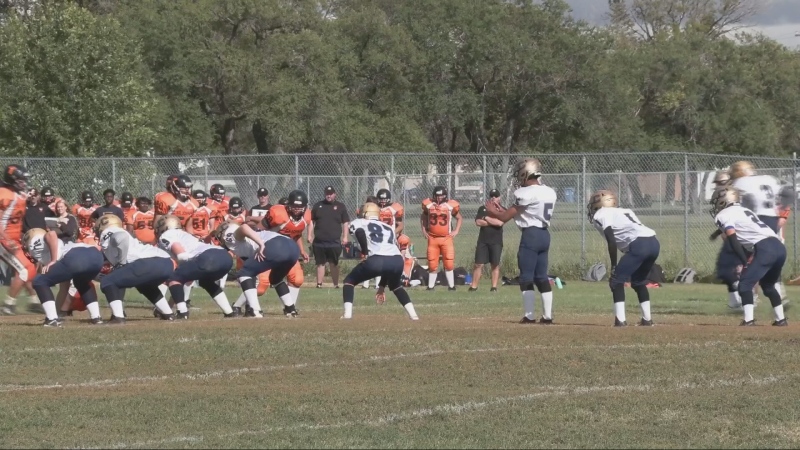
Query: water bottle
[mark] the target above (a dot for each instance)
(468, 279)
(558, 283)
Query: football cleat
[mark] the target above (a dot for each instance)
(249, 312)
(494, 289)
(472, 289)
(451, 288)
(429, 289)
(54, 323)
(238, 310)
(747, 323)
(290, 311)
(8, 310)
(544, 321)
(182, 316)
(780, 323)
(620, 323)
(162, 316)
(646, 323)
(231, 315)
(117, 320)
(97, 321)
(319, 285)
(526, 320)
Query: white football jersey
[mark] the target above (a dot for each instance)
(763, 190)
(749, 230)
(246, 249)
(538, 201)
(112, 238)
(380, 236)
(190, 244)
(40, 252)
(624, 223)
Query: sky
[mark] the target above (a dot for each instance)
(779, 19)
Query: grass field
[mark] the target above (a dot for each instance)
(465, 375)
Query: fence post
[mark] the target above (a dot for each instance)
(450, 178)
(297, 173)
(583, 222)
(392, 177)
(485, 187)
(153, 186)
(686, 197)
(113, 174)
(794, 211)
(205, 166)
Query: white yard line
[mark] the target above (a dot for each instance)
(456, 409)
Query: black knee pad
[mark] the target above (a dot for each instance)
(525, 287)
(247, 284)
(211, 287)
(543, 286)
(281, 288)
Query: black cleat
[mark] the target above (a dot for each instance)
(620, 323)
(451, 288)
(780, 323)
(646, 323)
(162, 316)
(238, 310)
(182, 316)
(96, 321)
(54, 323)
(248, 312)
(290, 311)
(117, 320)
(472, 289)
(544, 321)
(526, 320)
(429, 289)
(748, 323)
(494, 289)
(232, 315)
(319, 285)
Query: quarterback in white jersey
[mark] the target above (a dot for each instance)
(261, 251)
(137, 265)
(763, 264)
(380, 258)
(196, 260)
(532, 212)
(61, 263)
(624, 231)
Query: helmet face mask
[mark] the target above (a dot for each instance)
(235, 206)
(182, 187)
(200, 196)
(225, 234)
(722, 178)
(87, 199)
(439, 194)
(384, 198)
(217, 192)
(600, 199)
(723, 198)
(296, 204)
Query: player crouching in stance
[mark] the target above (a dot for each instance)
(532, 213)
(60, 262)
(623, 231)
(384, 261)
(742, 227)
(261, 251)
(137, 265)
(197, 261)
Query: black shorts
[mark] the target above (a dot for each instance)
(488, 253)
(324, 255)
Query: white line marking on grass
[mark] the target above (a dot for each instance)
(259, 369)
(64, 349)
(456, 409)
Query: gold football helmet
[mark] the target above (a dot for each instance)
(106, 221)
(741, 169)
(225, 233)
(722, 178)
(371, 211)
(167, 222)
(526, 169)
(30, 235)
(601, 199)
(722, 198)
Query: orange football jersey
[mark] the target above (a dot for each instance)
(85, 222)
(239, 218)
(200, 222)
(143, 226)
(127, 214)
(278, 220)
(440, 216)
(221, 208)
(391, 214)
(166, 203)
(12, 212)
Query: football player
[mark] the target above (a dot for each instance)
(128, 208)
(261, 251)
(743, 227)
(83, 212)
(141, 225)
(219, 203)
(236, 211)
(728, 265)
(624, 231)
(60, 262)
(136, 265)
(437, 227)
(380, 258)
(177, 200)
(766, 197)
(391, 214)
(532, 212)
(13, 187)
(197, 261)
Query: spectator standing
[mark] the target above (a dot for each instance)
(110, 207)
(258, 212)
(328, 232)
(35, 212)
(67, 229)
(490, 244)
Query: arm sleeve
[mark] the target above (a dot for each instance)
(737, 248)
(361, 235)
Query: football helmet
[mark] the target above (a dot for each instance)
(200, 196)
(371, 211)
(722, 178)
(181, 187)
(601, 199)
(297, 202)
(29, 236)
(235, 206)
(106, 221)
(170, 179)
(217, 192)
(16, 177)
(167, 222)
(126, 199)
(722, 198)
(384, 197)
(439, 194)
(87, 199)
(741, 169)
(283, 201)
(225, 234)
(526, 169)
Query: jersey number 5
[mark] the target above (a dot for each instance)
(548, 211)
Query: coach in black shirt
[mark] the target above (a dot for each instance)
(109, 207)
(327, 233)
(259, 212)
(35, 212)
(490, 244)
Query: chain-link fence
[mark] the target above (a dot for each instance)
(668, 191)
